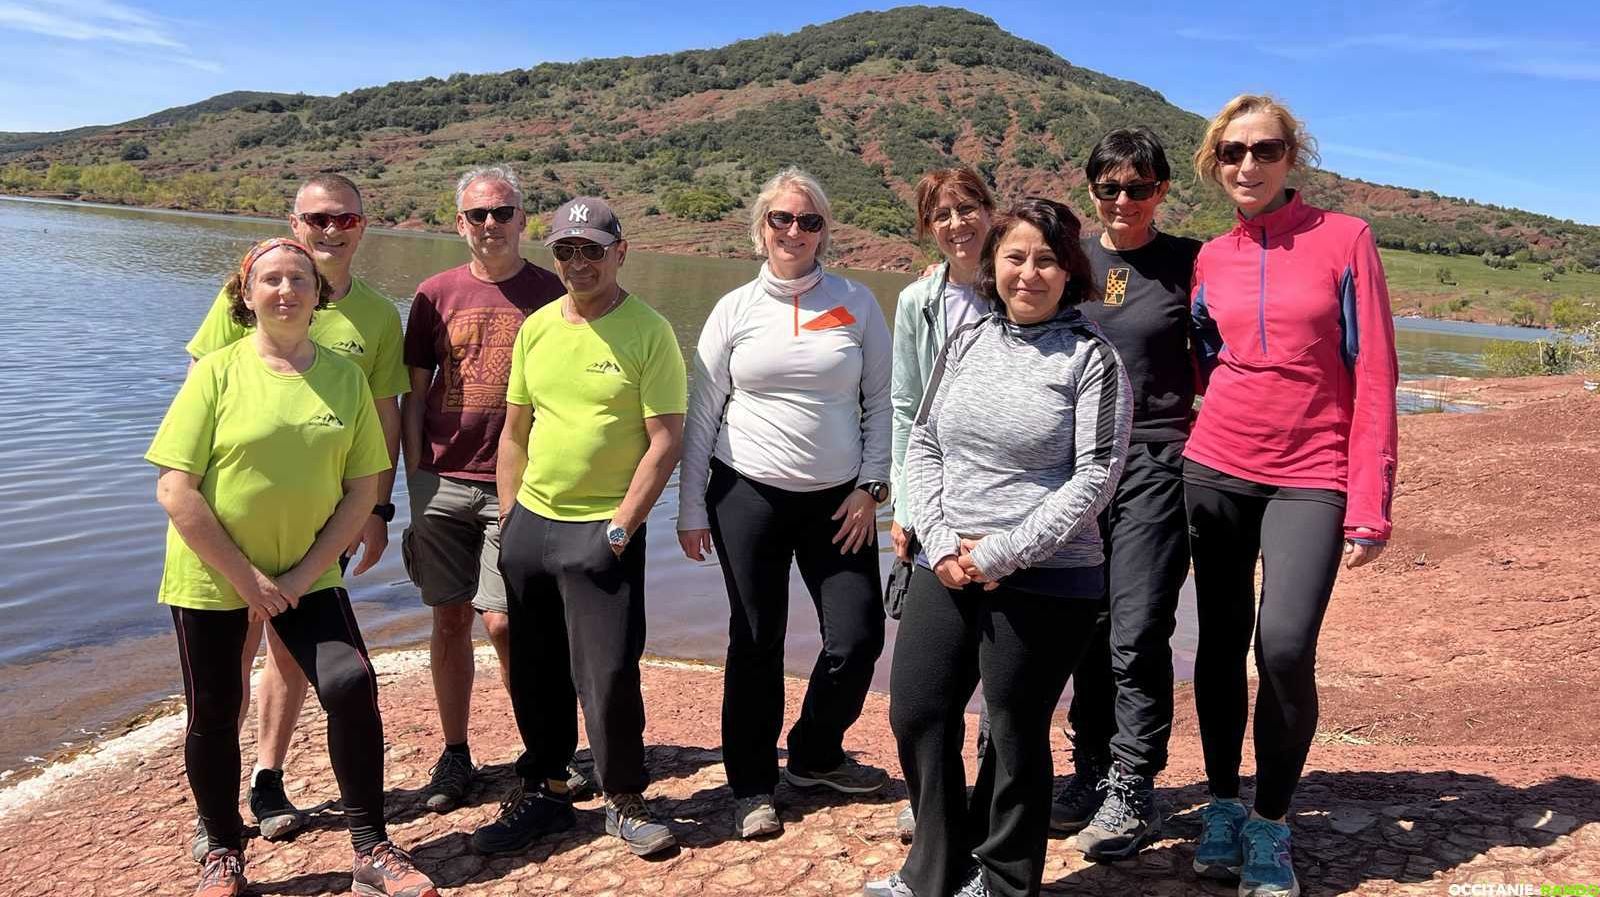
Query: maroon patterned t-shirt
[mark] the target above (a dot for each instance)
(463, 329)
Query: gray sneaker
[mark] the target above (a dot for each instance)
(975, 885)
(200, 845)
(1074, 807)
(893, 886)
(578, 782)
(905, 825)
(1127, 820)
(849, 777)
(629, 818)
(756, 817)
(449, 781)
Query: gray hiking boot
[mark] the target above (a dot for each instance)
(629, 818)
(975, 885)
(893, 886)
(1080, 797)
(200, 844)
(449, 781)
(1127, 820)
(849, 777)
(905, 825)
(756, 817)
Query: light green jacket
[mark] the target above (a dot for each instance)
(918, 337)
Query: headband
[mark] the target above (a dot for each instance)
(266, 246)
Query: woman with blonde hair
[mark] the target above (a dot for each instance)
(1292, 459)
(786, 459)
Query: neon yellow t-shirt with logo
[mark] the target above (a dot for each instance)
(363, 327)
(591, 386)
(272, 451)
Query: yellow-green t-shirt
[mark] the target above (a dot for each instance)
(363, 327)
(272, 451)
(591, 387)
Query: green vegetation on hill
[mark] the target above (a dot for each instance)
(868, 103)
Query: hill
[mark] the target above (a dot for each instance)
(679, 142)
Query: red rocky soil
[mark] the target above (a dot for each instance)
(1458, 682)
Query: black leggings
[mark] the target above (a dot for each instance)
(757, 531)
(1022, 646)
(1299, 535)
(321, 634)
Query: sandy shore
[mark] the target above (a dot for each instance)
(1458, 681)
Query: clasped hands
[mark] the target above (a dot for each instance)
(959, 570)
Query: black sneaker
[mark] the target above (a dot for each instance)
(1080, 797)
(525, 816)
(449, 781)
(1127, 819)
(849, 777)
(277, 818)
(629, 818)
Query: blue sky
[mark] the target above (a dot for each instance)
(1495, 101)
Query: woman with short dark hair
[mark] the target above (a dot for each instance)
(1016, 448)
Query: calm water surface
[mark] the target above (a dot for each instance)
(95, 307)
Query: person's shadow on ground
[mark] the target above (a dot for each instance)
(1351, 828)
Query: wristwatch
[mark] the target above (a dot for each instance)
(878, 489)
(386, 511)
(617, 536)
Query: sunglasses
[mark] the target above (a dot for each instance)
(501, 214)
(564, 252)
(321, 220)
(964, 212)
(809, 222)
(1138, 191)
(1231, 152)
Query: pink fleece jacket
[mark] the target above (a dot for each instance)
(1297, 352)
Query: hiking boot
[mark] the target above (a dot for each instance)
(448, 781)
(849, 777)
(1127, 819)
(578, 782)
(276, 817)
(755, 817)
(975, 885)
(222, 875)
(525, 816)
(1220, 853)
(628, 818)
(1080, 797)
(200, 844)
(905, 824)
(388, 871)
(893, 886)
(1268, 867)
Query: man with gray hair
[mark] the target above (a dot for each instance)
(458, 343)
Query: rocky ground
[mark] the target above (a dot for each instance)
(1458, 682)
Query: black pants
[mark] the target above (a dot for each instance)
(1299, 535)
(757, 531)
(1122, 689)
(576, 613)
(1023, 647)
(321, 634)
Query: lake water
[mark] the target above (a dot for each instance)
(96, 304)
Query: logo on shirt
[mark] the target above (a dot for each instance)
(349, 347)
(838, 316)
(1117, 285)
(604, 367)
(326, 419)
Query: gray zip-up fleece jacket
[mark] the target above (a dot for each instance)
(1021, 440)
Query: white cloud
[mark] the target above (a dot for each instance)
(113, 26)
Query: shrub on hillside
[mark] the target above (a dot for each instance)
(134, 151)
(1523, 312)
(1571, 313)
(699, 203)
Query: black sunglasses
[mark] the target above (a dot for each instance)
(564, 252)
(501, 214)
(1138, 191)
(810, 222)
(1231, 152)
(321, 220)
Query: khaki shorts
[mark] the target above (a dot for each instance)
(452, 547)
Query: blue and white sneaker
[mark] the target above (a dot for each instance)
(1220, 853)
(1268, 867)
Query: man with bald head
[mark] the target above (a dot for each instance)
(363, 326)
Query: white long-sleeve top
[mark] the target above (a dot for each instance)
(791, 392)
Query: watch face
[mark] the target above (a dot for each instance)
(616, 534)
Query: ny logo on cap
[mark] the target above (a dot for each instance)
(579, 214)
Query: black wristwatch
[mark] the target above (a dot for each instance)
(386, 511)
(878, 489)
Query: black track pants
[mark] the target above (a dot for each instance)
(1023, 647)
(321, 634)
(757, 531)
(1122, 689)
(1299, 535)
(576, 612)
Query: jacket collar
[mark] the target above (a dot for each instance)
(1287, 218)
